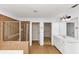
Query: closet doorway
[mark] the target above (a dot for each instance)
(47, 33)
(35, 32)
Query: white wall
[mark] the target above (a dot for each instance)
(55, 28)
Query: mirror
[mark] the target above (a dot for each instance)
(70, 29)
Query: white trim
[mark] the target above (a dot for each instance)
(41, 33)
(30, 32)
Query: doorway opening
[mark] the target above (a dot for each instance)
(47, 33)
(35, 32)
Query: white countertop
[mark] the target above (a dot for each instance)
(68, 39)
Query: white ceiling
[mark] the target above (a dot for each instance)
(44, 10)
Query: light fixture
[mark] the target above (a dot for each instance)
(65, 18)
(74, 5)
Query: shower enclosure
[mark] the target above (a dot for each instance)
(14, 35)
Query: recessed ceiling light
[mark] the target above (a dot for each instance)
(35, 11)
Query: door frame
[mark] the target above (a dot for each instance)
(39, 31)
(51, 32)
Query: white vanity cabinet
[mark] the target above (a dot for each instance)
(67, 40)
(66, 47)
(71, 48)
(59, 44)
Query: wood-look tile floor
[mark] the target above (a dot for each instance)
(47, 40)
(46, 49)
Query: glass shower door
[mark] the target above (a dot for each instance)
(11, 31)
